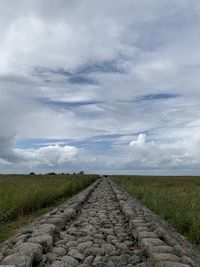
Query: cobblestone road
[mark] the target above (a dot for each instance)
(99, 236)
(101, 226)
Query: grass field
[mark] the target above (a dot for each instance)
(22, 195)
(176, 199)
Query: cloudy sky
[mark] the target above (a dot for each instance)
(100, 86)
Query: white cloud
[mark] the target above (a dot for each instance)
(178, 154)
(4, 163)
(141, 140)
(52, 155)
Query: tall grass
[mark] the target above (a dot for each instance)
(23, 194)
(176, 199)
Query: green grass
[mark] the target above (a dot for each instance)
(176, 199)
(24, 197)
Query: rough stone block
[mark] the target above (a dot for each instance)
(188, 260)
(157, 257)
(147, 243)
(18, 260)
(76, 254)
(57, 264)
(160, 249)
(30, 249)
(142, 235)
(44, 229)
(170, 264)
(45, 241)
(69, 261)
(84, 245)
(58, 222)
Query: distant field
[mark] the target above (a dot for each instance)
(21, 195)
(176, 199)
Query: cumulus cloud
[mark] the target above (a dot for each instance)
(140, 140)
(177, 154)
(50, 156)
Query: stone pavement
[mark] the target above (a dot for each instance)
(101, 226)
(99, 236)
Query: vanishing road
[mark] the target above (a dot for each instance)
(101, 226)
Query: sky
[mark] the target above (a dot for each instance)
(100, 86)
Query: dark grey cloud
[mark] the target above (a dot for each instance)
(157, 96)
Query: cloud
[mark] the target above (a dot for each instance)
(97, 76)
(178, 154)
(141, 140)
(51, 155)
(158, 96)
(4, 163)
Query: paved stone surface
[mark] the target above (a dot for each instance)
(100, 234)
(101, 226)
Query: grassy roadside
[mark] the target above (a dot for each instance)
(25, 197)
(176, 199)
(10, 228)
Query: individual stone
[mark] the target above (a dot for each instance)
(58, 222)
(94, 251)
(88, 260)
(188, 261)
(142, 264)
(180, 251)
(110, 263)
(67, 237)
(121, 246)
(170, 264)
(84, 245)
(71, 244)
(107, 231)
(158, 257)
(51, 256)
(98, 262)
(160, 249)
(110, 238)
(18, 260)
(77, 255)
(151, 242)
(59, 251)
(98, 236)
(26, 231)
(44, 229)
(85, 239)
(71, 230)
(89, 229)
(68, 214)
(69, 261)
(134, 259)
(108, 248)
(142, 235)
(22, 238)
(45, 241)
(34, 251)
(57, 264)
